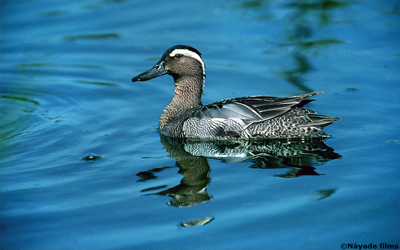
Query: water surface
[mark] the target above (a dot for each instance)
(66, 92)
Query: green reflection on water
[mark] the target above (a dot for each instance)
(252, 4)
(44, 65)
(97, 83)
(18, 98)
(319, 43)
(303, 20)
(324, 193)
(90, 37)
(54, 13)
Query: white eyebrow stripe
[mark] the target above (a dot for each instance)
(189, 53)
(186, 52)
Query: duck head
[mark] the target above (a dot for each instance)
(179, 61)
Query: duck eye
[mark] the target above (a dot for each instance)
(178, 55)
(159, 66)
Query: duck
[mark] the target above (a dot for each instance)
(249, 117)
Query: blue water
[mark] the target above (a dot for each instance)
(66, 92)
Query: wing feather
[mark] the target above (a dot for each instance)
(253, 108)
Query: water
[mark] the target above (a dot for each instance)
(66, 68)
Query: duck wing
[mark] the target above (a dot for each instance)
(253, 108)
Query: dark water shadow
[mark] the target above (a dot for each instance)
(300, 157)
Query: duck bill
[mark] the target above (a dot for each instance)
(157, 70)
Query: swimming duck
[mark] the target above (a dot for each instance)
(237, 118)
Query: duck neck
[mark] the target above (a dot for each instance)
(187, 97)
(187, 93)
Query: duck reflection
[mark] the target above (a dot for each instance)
(300, 156)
